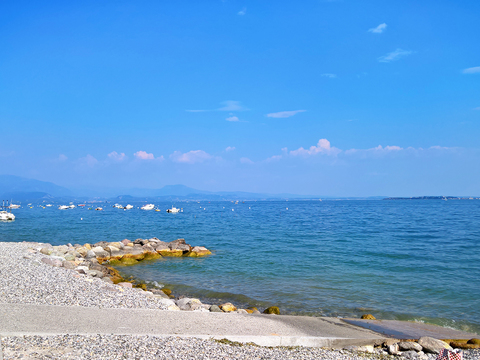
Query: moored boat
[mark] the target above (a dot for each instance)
(148, 207)
(173, 210)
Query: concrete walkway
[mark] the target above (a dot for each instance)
(265, 330)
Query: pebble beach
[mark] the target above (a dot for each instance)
(25, 278)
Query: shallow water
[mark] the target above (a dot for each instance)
(395, 259)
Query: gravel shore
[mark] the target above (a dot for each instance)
(24, 278)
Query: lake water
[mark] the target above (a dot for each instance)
(395, 259)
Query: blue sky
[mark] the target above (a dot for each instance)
(340, 98)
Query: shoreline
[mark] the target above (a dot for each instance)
(28, 279)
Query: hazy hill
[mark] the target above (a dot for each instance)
(19, 189)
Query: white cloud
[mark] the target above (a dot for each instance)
(230, 148)
(88, 160)
(284, 114)
(245, 160)
(116, 156)
(191, 157)
(232, 118)
(231, 105)
(378, 150)
(143, 155)
(322, 147)
(472, 70)
(62, 157)
(394, 55)
(379, 29)
(330, 76)
(477, 108)
(242, 12)
(274, 158)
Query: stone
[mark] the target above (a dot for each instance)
(173, 308)
(69, 264)
(81, 269)
(107, 280)
(184, 304)
(388, 342)
(366, 348)
(351, 348)
(88, 246)
(70, 257)
(125, 285)
(432, 345)
(125, 242)
(409, 345)
(228, 307)
(462, 345)
(101, 244)
(82, 251)
(393, 349)
(148, 247)
(215, 308)
(46, 251)
(368, 317)
(474, 341)
(272, 310)
(118, 245)
(167, 291)
(61, 249)
(141, 241)
(179, 244)
(52, 262)
(95, 273)
(200, 251)
(256, 312)
(242, 311)
(90, 255)
(111, 248)
(170, 252)
(410, 354)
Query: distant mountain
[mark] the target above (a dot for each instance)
(21, 189)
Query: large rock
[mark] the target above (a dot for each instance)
(82, 251)
(215, 308)
(141, 241)
(432, 345)
(90, 255)
(368, 317)
(272, 310)
(101, 244)
(61, 249)
(199, 251)
(69, 264)
(81, 269)
(52, 262)
(46, 251)
(125, 242)
(228, 307)
(189, 304)
(179, 244)
(409, 345)
(393, 349)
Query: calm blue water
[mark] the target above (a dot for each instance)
(395, 259)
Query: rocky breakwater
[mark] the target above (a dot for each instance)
(425, 348)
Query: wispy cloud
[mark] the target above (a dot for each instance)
(116, 156)
(323, 147)
(328, 75)
(88, 160)
(231, 105)
(230, 148)
(477, 108)
(191, 157)
(394, 55)
(472, 70)
(143, 155)
(274, 158)
(284, 114)
(228, 105)
(62, 158)
(245, 160)
(232, 118)
(379, 29)
(242, 12)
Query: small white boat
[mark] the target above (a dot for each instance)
(173, 210)
(13, 206)
(148, 207)
(118, 206)
(6, 216)
(49, 205)
(71, 206)
(128, 207)
(63, 207)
